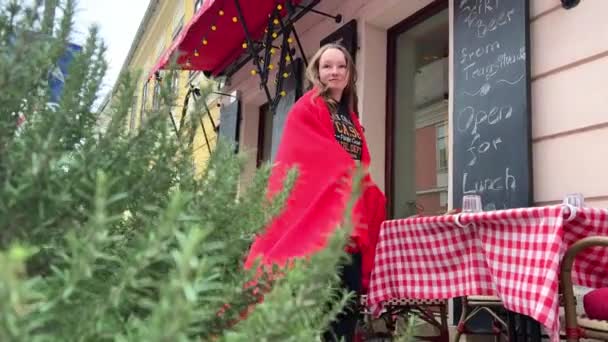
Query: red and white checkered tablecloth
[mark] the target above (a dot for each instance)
(514, 254)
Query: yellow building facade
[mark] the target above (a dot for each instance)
(161, 24)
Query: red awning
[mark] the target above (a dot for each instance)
(214, 38)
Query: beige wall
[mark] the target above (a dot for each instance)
(569, 100)
(569, 58)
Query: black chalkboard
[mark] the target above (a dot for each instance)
(230, 118)
(491, 122)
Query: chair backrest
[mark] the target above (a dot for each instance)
(574, 330)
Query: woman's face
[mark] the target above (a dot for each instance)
(333, 70)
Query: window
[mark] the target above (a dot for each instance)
(144, 99)
(178, 28)
(133, 114)
(442, 147)
(417, 84)
(160, 48)
(264, 135)
(156, 97)
(175, 83)
(197, 5)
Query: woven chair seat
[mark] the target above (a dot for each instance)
(412, 301)
(592, 324)
(407, 301)
(483, 298)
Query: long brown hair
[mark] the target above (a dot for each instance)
(350, 92)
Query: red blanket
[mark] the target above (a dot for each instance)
(317, 202)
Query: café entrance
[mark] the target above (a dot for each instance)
(417, 113)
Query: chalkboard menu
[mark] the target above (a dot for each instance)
(230, 120)
(491, 122)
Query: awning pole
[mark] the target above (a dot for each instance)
(174, 125)
(287, 30)
(200, 119)
(185, 109)
(297, 37)
(250, 47)
(285, 50)
(210, 116)
(267, 46)
(223, 94)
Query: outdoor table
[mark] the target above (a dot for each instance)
(514, 254)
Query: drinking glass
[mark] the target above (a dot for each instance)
(575, 199)
(471, 204)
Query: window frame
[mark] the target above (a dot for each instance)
(198, 4)
(439, 137)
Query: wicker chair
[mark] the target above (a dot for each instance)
(431, 311)
(472, 306)
(580, 326)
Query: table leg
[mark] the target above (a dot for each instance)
(523, 328)
(512, 323)
(533, 329)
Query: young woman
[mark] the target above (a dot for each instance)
(323, 138)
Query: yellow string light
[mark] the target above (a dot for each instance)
(213, 28)
(276, 21)
(279, 7)
(270, 66)
(288, 58)
(274, 34)
(283, 93)
(272, 51)
(244, 45)
(235, 19)
(253, 72)
(289, 40)
(285, 75)
(221, 12)
(196, 53)
(205, 42)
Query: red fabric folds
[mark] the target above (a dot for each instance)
(217, 24)
(317, 202)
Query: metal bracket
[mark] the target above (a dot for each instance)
(568, 4)
(337, 18)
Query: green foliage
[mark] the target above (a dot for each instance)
(107, 235)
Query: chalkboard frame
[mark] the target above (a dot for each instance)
(526, 195)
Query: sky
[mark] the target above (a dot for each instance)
(118, 21)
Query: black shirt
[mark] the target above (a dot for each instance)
(346, 132)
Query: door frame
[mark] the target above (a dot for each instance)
(391, 80)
